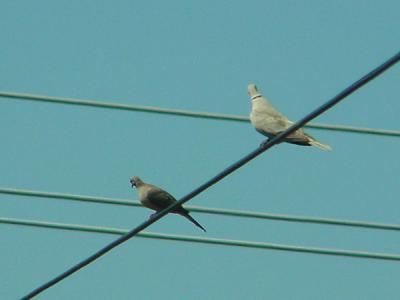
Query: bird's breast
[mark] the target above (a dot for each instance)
(144, 198)
(263, 122)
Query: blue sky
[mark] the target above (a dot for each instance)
(198, 56)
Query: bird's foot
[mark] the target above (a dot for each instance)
(152, 216)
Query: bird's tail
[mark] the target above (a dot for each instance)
(320, 145)
(189, 217)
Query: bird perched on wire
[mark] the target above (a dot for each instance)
(270, 122)
(157, 199)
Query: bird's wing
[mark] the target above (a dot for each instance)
(269, 118)
(278, 116)
(270, 125)
(162, 199)
(279, 122)
(299, 137)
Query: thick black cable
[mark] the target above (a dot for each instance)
(275, 140)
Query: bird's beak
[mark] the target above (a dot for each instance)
(133, 183)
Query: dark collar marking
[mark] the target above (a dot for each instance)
(256, 96)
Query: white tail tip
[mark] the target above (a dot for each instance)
(320, 146)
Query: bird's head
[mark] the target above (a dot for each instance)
(136, 181)
(253, 91)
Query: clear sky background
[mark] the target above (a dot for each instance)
(197, 55)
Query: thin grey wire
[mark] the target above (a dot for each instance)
(185, 113)
(203, 240)
(207, 210)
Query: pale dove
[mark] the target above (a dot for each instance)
(270, 122)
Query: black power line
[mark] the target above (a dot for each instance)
(371, 75)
